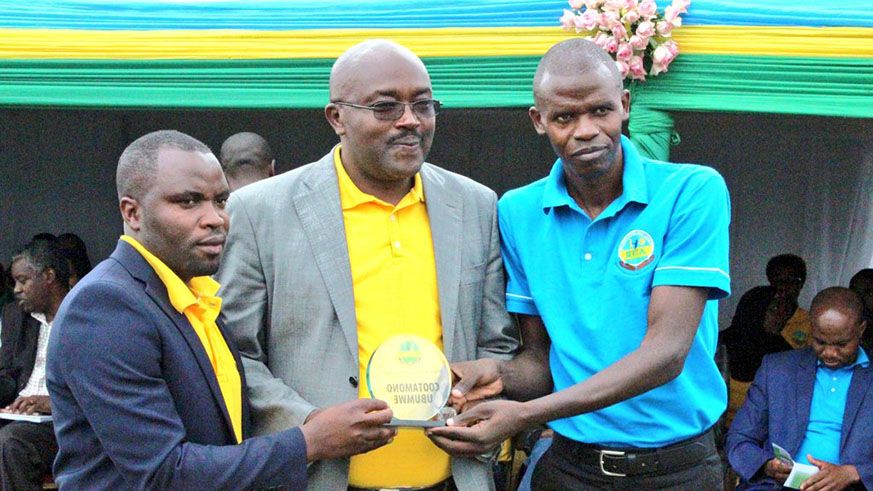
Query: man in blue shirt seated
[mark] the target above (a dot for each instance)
(615, 264)
(817, 403)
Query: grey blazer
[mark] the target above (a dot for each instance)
(289, 302)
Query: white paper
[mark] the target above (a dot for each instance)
(33, 418)
(799, 472)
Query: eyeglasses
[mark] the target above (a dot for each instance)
(392, 111)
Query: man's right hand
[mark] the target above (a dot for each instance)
(347, 429)
(777, 469)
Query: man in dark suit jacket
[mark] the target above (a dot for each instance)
(816, 403)
(147, 387)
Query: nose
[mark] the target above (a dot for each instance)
(408, 119)
(215, 217)
(585, 129)
(17, 288)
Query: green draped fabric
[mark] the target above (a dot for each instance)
(819, 86)
(650, 129)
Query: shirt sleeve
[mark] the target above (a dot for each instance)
(518, 297)
(696, 244)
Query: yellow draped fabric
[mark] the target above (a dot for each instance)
(832, 42)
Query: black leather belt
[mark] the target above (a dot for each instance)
(623, 462)
(447, 485)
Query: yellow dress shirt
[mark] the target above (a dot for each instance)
(198, 302)
(395, 285)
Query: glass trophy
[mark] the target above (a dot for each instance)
(412, 375)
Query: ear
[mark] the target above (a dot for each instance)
(334, 117)
(537, 119)
(272, 171)
(49, 275)
(625, 104)
(131, 213)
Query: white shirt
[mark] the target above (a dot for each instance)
(36, 384)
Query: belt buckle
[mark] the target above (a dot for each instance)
(611, 453)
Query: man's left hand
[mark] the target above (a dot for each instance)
(477, 380)
(31, 405)
(480, 429)
(830, 476)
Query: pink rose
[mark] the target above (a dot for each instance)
(600, 39)
(638, 42)
(658, 68)
(611, 45)
(619, 32)
(664, 28)
(673, 47)
(608, 19)
(646, 29)
(577, 4)
(681, 5)
(593, 4)
(671, 13)
(648, 8)
(567, 20)
(631, 16)
(625, 52)
(623, 68)
(663, 55)
(588, 20)
(636, 64)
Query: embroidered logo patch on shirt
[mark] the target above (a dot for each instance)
(636, 250)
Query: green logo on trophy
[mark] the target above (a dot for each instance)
(412, 375)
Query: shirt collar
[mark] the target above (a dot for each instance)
(351, 196)
(40, 317)
(181, 296)
(861, 360)
(634, 188)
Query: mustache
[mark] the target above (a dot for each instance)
(405, 135)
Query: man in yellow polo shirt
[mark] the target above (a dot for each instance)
(147, 389)
(326, 262)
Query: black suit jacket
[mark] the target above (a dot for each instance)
(17, 354)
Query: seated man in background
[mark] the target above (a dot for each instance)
(148, 391)
(862, 284)
(787, 274)
(246, 158)
(816, 403)
(41, 274)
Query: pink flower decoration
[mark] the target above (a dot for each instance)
(611, 45)
(646, 29)
(631, 16)
(593, 4)
(619, 32)
(648, 8)
(625, 52)
(567, 20)
(682, 5)
(608, 19)
(663, 56)
(600, 39)
(673, 47)
(588, 20)
(623, 68)
(658, 68)
(638, 42)
(664, 27)
(577, 4)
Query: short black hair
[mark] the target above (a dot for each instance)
(781, 261)
(841, 298)
(864, 274)
(73, 247)
(43, 255)
(245, 149)
(573, 56)
(138, 163)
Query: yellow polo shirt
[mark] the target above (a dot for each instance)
(395, 284)
(198, 302)
(796, 330)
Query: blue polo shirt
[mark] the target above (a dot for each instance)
(590, 282)
(825, 428)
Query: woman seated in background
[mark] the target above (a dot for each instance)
(754, 332)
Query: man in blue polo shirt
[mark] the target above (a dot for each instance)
(614, 263)
(816, 403)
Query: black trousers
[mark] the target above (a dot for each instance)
(27, 451)
(562, 469)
